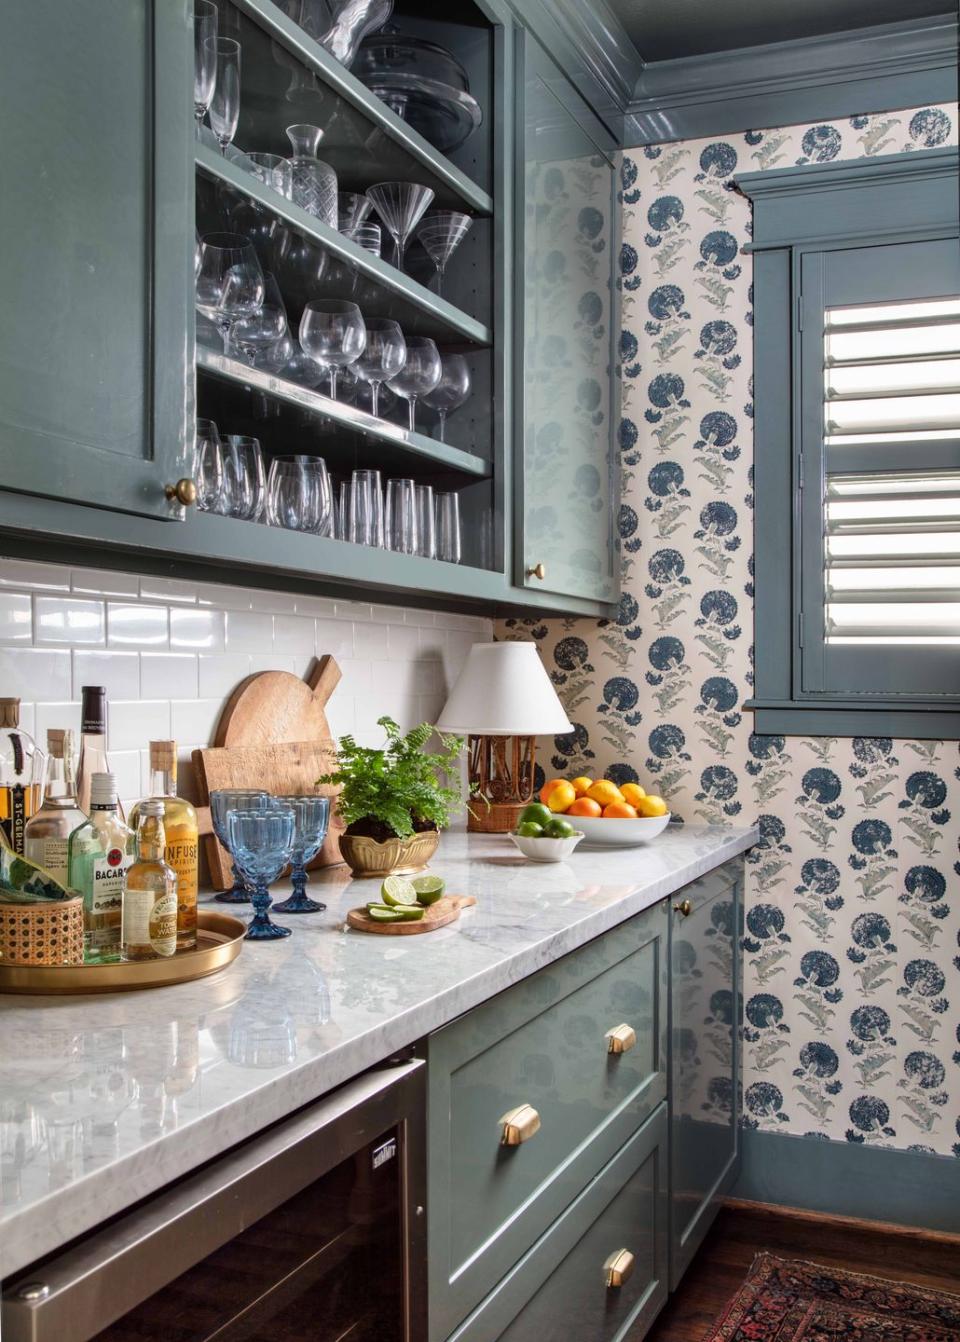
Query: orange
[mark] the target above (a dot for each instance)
(581, 785)
(619, 810)
(561, 797)
(548, 787)
(632, 792)
(605, 792)
(586, 806)
(651, 806)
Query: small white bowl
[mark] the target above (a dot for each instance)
(600, 833)
(547, 850)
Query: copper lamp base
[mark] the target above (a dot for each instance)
(501, 771)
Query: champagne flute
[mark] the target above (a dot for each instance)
(332, 332)
(451, 391)
(383, 357)
(225, 103)
(204, 57)
(420, 373)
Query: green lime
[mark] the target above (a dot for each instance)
(428, 888)
(381, 914)
(398, 890)
(411, 914)
(530, 829)
(558, 829)
(536, 813)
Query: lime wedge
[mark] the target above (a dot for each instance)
(380, 914)
(428, 888)
(398, 890)
(409, 912)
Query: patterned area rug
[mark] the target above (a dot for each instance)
(786, 1300)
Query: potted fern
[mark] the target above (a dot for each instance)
(395, 801)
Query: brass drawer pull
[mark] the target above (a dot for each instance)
(184, 492)
(685, 907)
(618, 1268)
(538, 571)
(620, 1039)
(519, 1125)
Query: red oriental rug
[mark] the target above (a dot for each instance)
(786, 1300)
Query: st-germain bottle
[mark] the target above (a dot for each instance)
(47, 834)
(149, 925)
(21, 775)
(100, 852)
(182, 847)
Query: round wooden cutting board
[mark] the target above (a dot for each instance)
(273, 707)
(445, 911)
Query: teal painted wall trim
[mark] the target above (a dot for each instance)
(874, 1183)
(786, 83)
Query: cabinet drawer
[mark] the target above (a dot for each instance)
(560, 1285)
(542, 1043)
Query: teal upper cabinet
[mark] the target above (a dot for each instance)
(96, 250)
(568, 379)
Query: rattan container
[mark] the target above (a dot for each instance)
(50, 933)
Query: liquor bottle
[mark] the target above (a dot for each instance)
(99, 853)
(21, 775)
(47, 834)
(93, 742)
(149, 923)
(183, 840)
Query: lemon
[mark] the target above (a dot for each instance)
(397, 890)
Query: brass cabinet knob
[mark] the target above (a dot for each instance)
(684, 907)
(620, 1039)
(519, 1125)
(538, 571)
(618, 1269)
(184, 491)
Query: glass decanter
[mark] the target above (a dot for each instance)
(314, 182)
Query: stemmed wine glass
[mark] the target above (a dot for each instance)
(332, 332)
(383, 357)
(208, 465)
(223, 800)
(401, 206)
(230, 282)
(204, 57)
(262, 843)
(244, 477)
(419, 375)
(225, 102)
(262, 328)
(451, 391)
(312, 815)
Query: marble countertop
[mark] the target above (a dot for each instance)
(104, 1099)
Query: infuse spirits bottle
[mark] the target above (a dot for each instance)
(149, 925)
(93, 742)
(47, 834)
(100, 852)
(182, 844)
(21, 775)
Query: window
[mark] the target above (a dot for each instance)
(857, 447)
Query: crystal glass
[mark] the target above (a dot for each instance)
(295, 366)
(298, 494)
(451, 391)
(352, 209)
(383, 356)
(208, 465)
(264, 327)
(273, 171)
(401, 531)
(262, 844)
(312, 817)
(332, 332)
(244, 477)
(314, 182)
(341, 499)
(223, 800)
(441, 233)
(448, 527)
(205, 19)
(365, 509)
(229, 281)
(225, 103)
(401, 206)
(426, 523)
(366, 236)
(420, 373)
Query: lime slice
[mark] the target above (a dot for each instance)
(428, 888)
(406, 912)
(398, 890)
(411, 913)
(380, 914)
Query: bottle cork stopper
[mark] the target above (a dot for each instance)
(56, 739)
(9, 712)
(163, 755)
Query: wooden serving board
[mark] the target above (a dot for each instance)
(277, 706)
(445, 911)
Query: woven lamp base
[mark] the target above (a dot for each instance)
(501, 770)
(500, 818)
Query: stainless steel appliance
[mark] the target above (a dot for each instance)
(313, 1231)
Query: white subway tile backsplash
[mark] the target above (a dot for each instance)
(132, 723)
(63, 715)
(294, 635)
(370, 641)
(101, 582)
(249, 631)
(335, 637)
(275, 602)
(19, 573)
(168, 589)
(118, 671)
(136, 626)
(220, 673)
(316, 605)
(126, 765)
(403, 642)
(273, 661)
(16, 618)
(224, 598)
(168, 675)
(197, 630)
(72, 620)
(195, 720)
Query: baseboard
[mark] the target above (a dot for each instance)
(850, 1180)
(847, 1225)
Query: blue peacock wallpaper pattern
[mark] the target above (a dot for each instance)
(852, 945)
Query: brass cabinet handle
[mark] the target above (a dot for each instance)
(519, 1125)
(685, 907)
(538, 571)
(618, 1269)
(184, 491)
(620, 1039)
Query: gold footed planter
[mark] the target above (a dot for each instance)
(396, 857)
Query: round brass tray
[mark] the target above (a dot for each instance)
(219, 941)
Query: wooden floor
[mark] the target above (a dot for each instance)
(742, 1231)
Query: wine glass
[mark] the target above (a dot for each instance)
(244, 476)
(332, 332)
(448, 527)
(401, 206)
(208, 465)
(225, 102)
(262, 842)
(441, 233)
(223, 800)
(262, 328)
(451, 391)
(364, 512)
(312, 816)
(400, 528)
(230, 281)
(204, 57)
(420, 373)
(383, 357)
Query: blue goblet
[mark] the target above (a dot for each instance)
(261, 843)
(312, 814)
(223, 800)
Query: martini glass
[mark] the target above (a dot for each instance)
(441, 233)
(401, 206)
(313, 814)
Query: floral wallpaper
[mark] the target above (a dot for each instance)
(852, 945)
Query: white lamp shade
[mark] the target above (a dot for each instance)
(504, 690)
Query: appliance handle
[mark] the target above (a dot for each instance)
(77, 1293)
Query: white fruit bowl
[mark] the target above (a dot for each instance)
(547, 850)
(600, 833)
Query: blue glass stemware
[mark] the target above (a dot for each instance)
(262, 844)
(223, 800)
(313, 814)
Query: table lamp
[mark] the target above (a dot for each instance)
(503, 700)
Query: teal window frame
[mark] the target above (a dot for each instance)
(800, 214)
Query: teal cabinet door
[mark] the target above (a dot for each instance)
(567, 380)
(704, 1056)
(96, 250)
